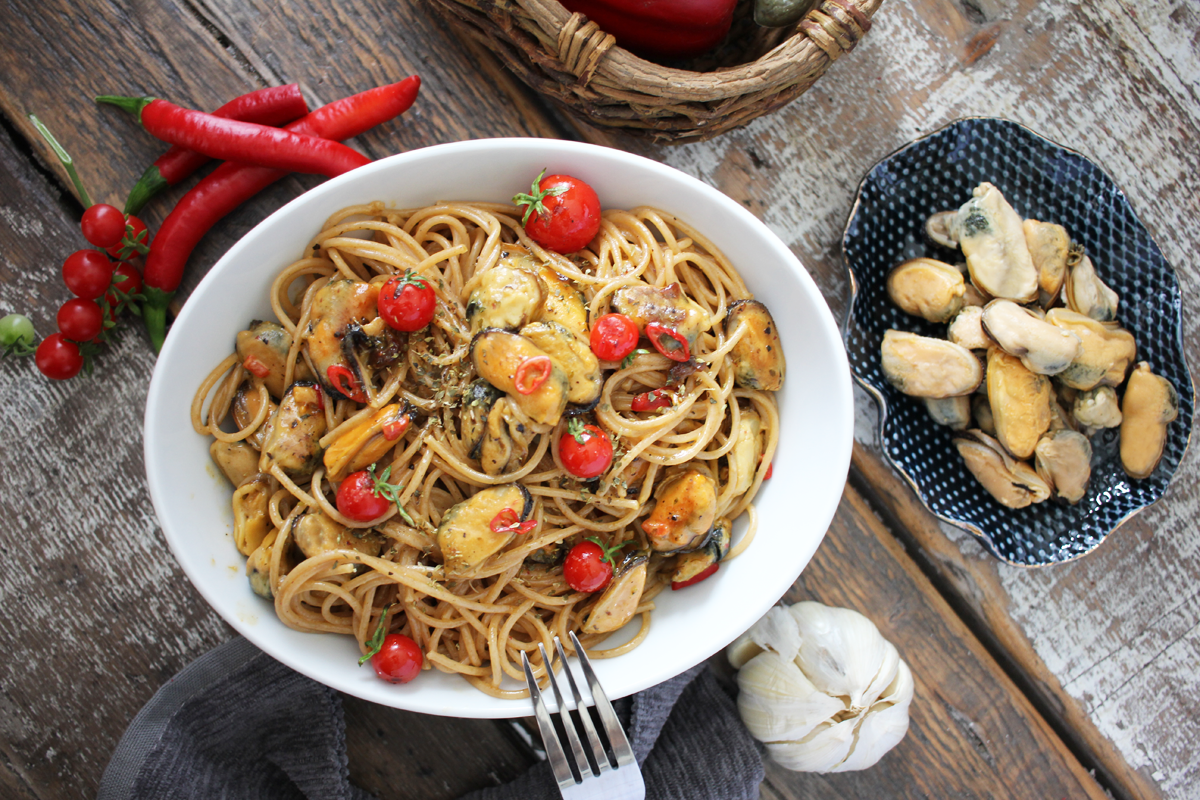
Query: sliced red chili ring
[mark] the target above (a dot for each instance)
(395, 428)
(668, 341)
(508, 521)
(532, 373)
(255, 367)
(651, 400)
(770, 469)
(342, 379)
(684, 584)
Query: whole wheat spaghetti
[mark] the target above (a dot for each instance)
(327, 389)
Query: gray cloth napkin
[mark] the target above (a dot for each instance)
(235, 723)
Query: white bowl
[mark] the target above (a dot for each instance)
(795, 506)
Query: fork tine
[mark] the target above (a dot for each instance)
(554, 751)
(612, 725)
(564, 716)
(598, 749)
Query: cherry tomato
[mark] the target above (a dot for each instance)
(614, 336)
(651, 400)
(17, 336)
(408, 303)
(103, 225)
(398, 660)
(690, 581)
(57, 358)
(80, 320)
(586, 569)
(135, 231)
(668, 341)
(561, 213)
(585, 450)
(87, 273)
(532, 373)
(356, 497)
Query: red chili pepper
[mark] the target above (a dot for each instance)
(345, 382)
(684, 584)
(273, 105)
(651, 400)
(234, 140)
(532, 373)
(394, 429)
(668, 341)
(665, 28)
(508, 521)
(255, 367)
(770, 469)
(231, 184)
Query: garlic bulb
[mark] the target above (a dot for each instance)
(821, 688)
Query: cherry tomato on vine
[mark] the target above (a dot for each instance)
(135, 231)
(127, 281)
(80, 320)
(58, 359)
(87, 273)
(589, 565)
(399, 659)
(407, 303)
(562, 213)
(17, 336)
(585, 450)
(103, 225)
(613, 337)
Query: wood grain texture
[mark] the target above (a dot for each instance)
(1112, 640)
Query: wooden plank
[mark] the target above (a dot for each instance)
(1117, 81)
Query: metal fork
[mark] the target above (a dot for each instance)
(600, 772)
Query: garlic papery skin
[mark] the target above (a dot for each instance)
(821, 688)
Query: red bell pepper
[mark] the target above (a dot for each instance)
(661, 28)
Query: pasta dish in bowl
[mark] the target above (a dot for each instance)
(438, 481)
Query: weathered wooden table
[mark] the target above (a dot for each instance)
(1070, 681)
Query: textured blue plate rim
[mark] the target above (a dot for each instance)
(881, 400)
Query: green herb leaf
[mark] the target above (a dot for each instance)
(375, 643)
(629, 358)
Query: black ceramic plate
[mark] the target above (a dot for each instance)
(1045, 181)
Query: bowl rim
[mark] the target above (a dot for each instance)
(836, 463)
(881, 400)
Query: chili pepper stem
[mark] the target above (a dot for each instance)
(65, 159)
(151, 183)
(133, 105)
(154, 313)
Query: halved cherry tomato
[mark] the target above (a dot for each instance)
(407, 303)
(651, 400)
(255, 367)
(342, 379)
(562, 213)
(358, 499)
(532, 373)
(589, 566)
(684, 584)
(399, 659)
(668, 341)
(509, 521)
(613, 337)
(585, 450)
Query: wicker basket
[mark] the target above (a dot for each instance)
(571, 60)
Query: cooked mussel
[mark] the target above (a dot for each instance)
(1043, 348)
(238, 461)
(574, 355)
(747, 450)
(684, 512)
(928, 288)
(1149, 406)
(293, 438)
(1064, 461)
(1020, 402)
(966, 329)
(1097, 408)
(953, 412)
(939, 228)
(1086, 294)
(757, 357)
(922, 366)
(506, 438)
(689, 565)
(1106, 353)
(669, 306)
(315, 533)
(620, 600)
(508, 296)
(1048, 245)
(498, 356)
(992, 236)
(251, 517)
(1012, 483)
(334, 337)
(366, 440)
(564, 304)
(267, 343)
(469, 533)
(247, 405)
